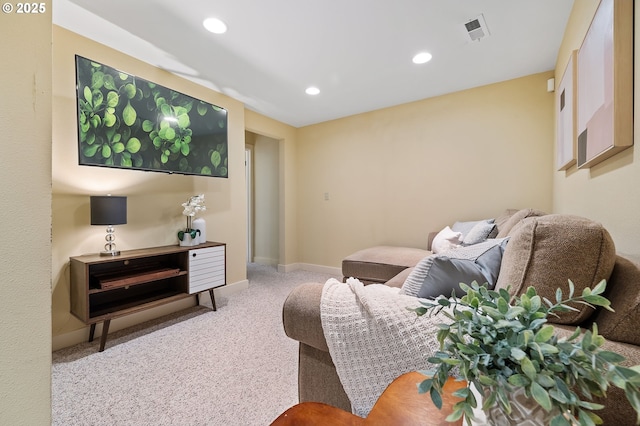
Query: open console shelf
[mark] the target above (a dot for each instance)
(112, 280)
(103, 288)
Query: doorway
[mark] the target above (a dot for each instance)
(248, 167)
(262, 159)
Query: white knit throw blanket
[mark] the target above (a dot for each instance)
(373, 338)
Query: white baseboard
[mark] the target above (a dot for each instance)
(226, 290)
(75, 337)
(82, 335)
(321, 269)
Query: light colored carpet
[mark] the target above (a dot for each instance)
(196, 367)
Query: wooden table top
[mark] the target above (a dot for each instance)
(399, 405)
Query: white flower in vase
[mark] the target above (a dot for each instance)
(194, 204)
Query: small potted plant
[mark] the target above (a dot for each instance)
(194, 205)
(504, 347)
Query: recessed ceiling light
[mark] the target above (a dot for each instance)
(422, 57)
(312, 91)
(215, 25)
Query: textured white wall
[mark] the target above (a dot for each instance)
(25, 218)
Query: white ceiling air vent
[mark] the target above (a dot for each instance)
(476, 28)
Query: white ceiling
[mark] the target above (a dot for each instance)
(358, 52)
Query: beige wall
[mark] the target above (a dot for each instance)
(393, 175)
(25, 218)
(154, 199)
(607, 192)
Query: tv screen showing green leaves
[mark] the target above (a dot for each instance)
(127, 122)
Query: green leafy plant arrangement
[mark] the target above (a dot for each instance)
(500, 343)
(125, 121)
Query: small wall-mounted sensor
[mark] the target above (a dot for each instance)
(551, 85)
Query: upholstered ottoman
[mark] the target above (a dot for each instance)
(381, 263)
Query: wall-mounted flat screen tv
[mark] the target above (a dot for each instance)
(127, 122)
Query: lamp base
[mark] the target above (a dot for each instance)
(110, 247)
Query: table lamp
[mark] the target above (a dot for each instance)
(109, 210)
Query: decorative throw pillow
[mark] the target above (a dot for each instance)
(547, 251)
(504, 218)
(446, 240)
(479, 233)
(447, 272)
(506, 226)
(464, 227)
(414, 281)
(439, 274)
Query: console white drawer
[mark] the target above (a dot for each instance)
(206, 268)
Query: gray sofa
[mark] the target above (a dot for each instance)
(543, 250)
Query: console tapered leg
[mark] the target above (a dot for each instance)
(92, 331)
(105, 331)
(213, 299)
